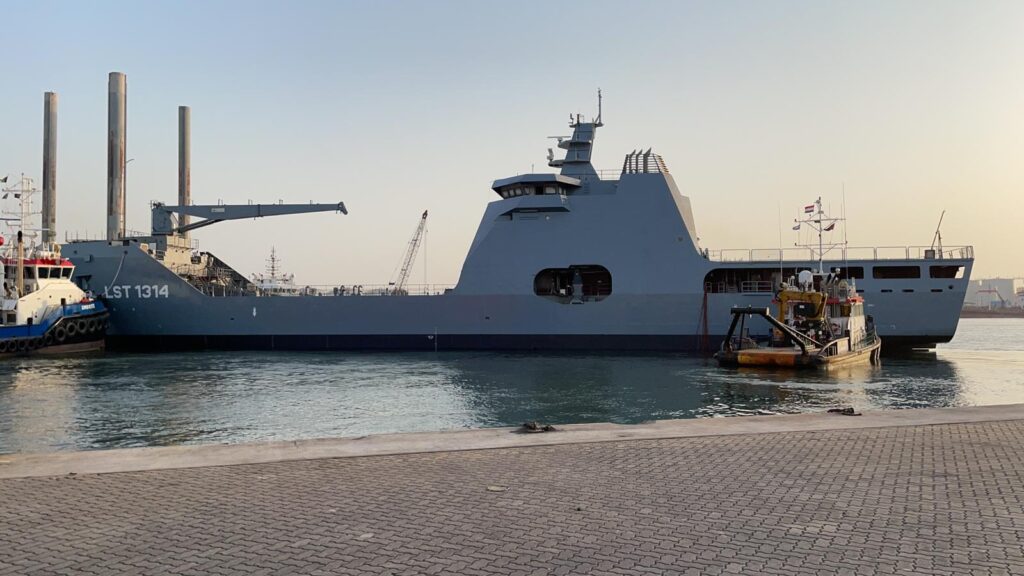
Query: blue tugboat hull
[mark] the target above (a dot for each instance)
(74, 328)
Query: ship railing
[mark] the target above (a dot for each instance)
(616, 173)
(609, 173)
(345, 290)
(830, 349)
(755, 286)
(88, 236)
(841, 254)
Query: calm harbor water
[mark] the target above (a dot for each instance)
(121, 400)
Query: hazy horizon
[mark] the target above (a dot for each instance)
(394, 108)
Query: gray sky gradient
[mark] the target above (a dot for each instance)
(397, 107)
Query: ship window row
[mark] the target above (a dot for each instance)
(754, 280)
(537, 190)
(903, 272)
(44, 272)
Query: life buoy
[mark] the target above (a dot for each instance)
(72, 328)
(60, 334)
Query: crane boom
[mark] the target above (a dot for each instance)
(163, 224)
(410, 254)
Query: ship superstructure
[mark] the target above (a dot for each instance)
(275, 282)
(573, 259)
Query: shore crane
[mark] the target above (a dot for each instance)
(410, 256)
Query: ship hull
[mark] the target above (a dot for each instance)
(153, 309)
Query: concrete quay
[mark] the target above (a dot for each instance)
(937, 491)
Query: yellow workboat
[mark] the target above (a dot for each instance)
(819, 323)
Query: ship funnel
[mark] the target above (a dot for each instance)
(116, 137)
(184, 163)
(49, 168)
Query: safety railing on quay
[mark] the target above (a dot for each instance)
(840, 254)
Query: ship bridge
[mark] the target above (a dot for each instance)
(535, 185)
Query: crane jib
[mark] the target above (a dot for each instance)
(164, 224)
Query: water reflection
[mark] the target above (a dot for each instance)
(142, 400)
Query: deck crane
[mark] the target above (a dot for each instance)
(410, 256)
(165, 223)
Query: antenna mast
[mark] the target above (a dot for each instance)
(597, 121)
(820, 222)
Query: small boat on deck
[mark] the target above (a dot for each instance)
(819, 323)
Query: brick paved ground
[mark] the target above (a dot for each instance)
(925, 499)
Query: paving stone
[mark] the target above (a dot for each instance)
(933, 499)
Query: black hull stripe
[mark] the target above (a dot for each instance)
(564, 342)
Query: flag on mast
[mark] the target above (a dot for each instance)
(809, 209)
(830, 227)
(797, 227)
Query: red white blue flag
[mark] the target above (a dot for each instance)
(809, 209)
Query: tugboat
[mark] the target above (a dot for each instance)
(41, 310)
(820, 321)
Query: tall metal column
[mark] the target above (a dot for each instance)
(49, 167)
(184, 163)
(117, 89)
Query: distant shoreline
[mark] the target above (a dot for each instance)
(978, 312)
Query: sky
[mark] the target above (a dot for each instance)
(758, 108)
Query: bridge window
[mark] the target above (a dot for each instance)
(896, 272)
(856, 272)
(44, 272)
(559, 284)
(952, 271)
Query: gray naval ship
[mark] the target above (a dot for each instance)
(573, 260)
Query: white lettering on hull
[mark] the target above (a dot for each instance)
(143, 291)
